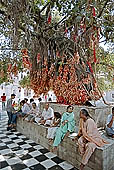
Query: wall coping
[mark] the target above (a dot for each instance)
(80, 106)
(68, 149)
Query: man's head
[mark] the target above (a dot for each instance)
(113, 111)
(39, 99)
(22, 102)
(26, 100)
(46, 106)
(34, 105)
(3, 94)
(13, 96)
(31, 100)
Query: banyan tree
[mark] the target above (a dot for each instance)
(60, 50)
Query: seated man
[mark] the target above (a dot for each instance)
(47, 115)
(25, 108)
(34, 112)
(110, 124)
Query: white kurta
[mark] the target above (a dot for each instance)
(52, 130)
(33, 113)
(46, 114)
(25, 108)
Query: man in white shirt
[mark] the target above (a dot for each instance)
(47, 115)
(110, 124)
(25, 108)
(34, 112)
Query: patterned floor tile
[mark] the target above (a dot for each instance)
(48, 163)
(6, 140)
(50, 155)
(9, 156)
(30, 162)
(21, 143)
(44, 150)
(32, 144)
(25, 146)
(56, 167)
(19, 134)
(41, 158)
(18, 166)
(21, 152)
(38, 147)
(1, 158)
(25, 157)
(5, 151)
(65, 165)
(17, 140)
(17, 152)
(35, 153)
(31, 150)
(13, 145)
(10, 142)
(14, 160)
(2, 144)
(29, 141)
(3, 164)
(38, 167)
(6, 168)
(3, 147)
(57, 160)
(12, 136)
(16, 148)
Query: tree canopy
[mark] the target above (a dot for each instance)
(60, 41)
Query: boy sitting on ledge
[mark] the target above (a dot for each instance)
(54, 126)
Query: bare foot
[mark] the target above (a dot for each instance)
(82, 167)
(47, 125)
(50, 141)
(75, 138)
(31, 121)
(112, 136)
(54, 148)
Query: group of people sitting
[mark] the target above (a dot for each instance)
(61, 126)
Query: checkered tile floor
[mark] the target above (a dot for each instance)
(20, 153)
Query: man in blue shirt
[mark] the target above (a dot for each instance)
(110, 124)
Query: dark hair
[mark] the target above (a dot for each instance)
(31, 100)
(40, 99)
(112, 109)
(49, 99)
(25, 99)
(85, 112)
(22, 101)
(69, 107)
(57, 115)
(3, 93)
(34, 103)
(13, 95)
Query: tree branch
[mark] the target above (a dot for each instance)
(108, 65)
(103, 9)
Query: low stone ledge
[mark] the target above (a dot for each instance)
(99, 114)
(101, 159)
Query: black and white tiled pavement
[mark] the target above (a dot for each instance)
(20, 153)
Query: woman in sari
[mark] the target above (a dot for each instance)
(66, 127)
(90, 137)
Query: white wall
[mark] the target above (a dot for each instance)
(110, 96)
